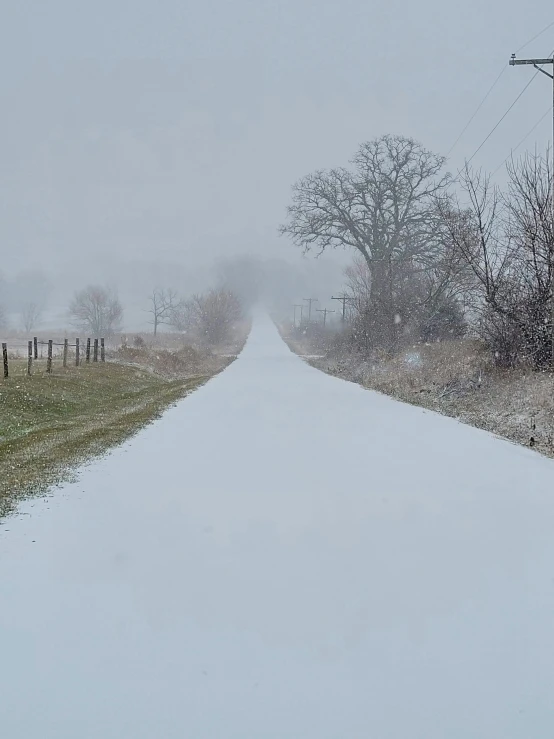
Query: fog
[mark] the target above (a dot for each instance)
(225, 522)
(143, 142)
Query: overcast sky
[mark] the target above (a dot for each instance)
(173, 130)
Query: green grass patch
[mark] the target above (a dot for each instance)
(50, 423)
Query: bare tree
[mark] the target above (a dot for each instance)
(507, 239)
(163, 306)
(210, 316)
(31, 314)
(97, 310)
(3, 318)
(427, 304)
(181, 316)
(384, 208)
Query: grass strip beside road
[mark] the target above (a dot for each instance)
(50, 423)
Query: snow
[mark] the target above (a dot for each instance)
(285, 555)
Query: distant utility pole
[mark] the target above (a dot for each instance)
(538, 64)
(324, 311)
(301, 313)
(310, 301)
(344, 299)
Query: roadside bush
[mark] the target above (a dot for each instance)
(507, 240)
(443, 321)
(209, 317)
(186, 360)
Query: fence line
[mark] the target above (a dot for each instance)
(55, 343)
(32, 353)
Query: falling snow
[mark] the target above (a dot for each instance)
(285, 554)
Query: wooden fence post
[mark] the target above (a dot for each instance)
(88, 350)
(29, 357)
(77, 352)
(35, 342)
(102, 350)
(49, 360)
(65, 351)
(5, 358)
(96, 350)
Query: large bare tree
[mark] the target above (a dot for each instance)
(384, 207)
(429, 303)
(97, 310)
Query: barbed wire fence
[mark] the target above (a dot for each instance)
(93, 350)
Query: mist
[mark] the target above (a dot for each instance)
(141, 143)
(276, 369)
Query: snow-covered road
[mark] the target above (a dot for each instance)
(285, 555)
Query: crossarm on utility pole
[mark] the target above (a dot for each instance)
(324, 311)
(310, 301)
(343, 299)
(515, 62)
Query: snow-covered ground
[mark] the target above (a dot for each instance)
(285, 555)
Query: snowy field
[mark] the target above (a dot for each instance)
(285, 555)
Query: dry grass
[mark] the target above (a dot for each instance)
(457, 379)
(184, 362)
(49, 423)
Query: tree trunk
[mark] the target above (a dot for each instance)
(382, 322)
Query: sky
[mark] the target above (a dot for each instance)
(171, 132)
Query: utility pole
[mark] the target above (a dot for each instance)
(310, 301)
(344, 299)
(324, 311)
(301, 312)
(538, 64)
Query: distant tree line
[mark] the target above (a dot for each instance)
(208, 317)
(436, 257)
(96, 310)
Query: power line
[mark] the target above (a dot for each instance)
(477, 109)
(491, 88)
(539, 69)
(523, 140)
(540, 33)
(501, 119)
